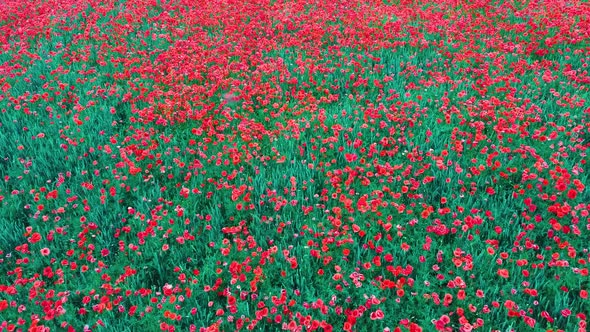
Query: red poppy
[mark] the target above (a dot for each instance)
(572, 194)
(52, 194)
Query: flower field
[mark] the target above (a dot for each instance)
(300, 165)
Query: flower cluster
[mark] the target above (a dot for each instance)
(298, 165)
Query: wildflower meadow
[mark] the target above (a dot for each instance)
(298, 165)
